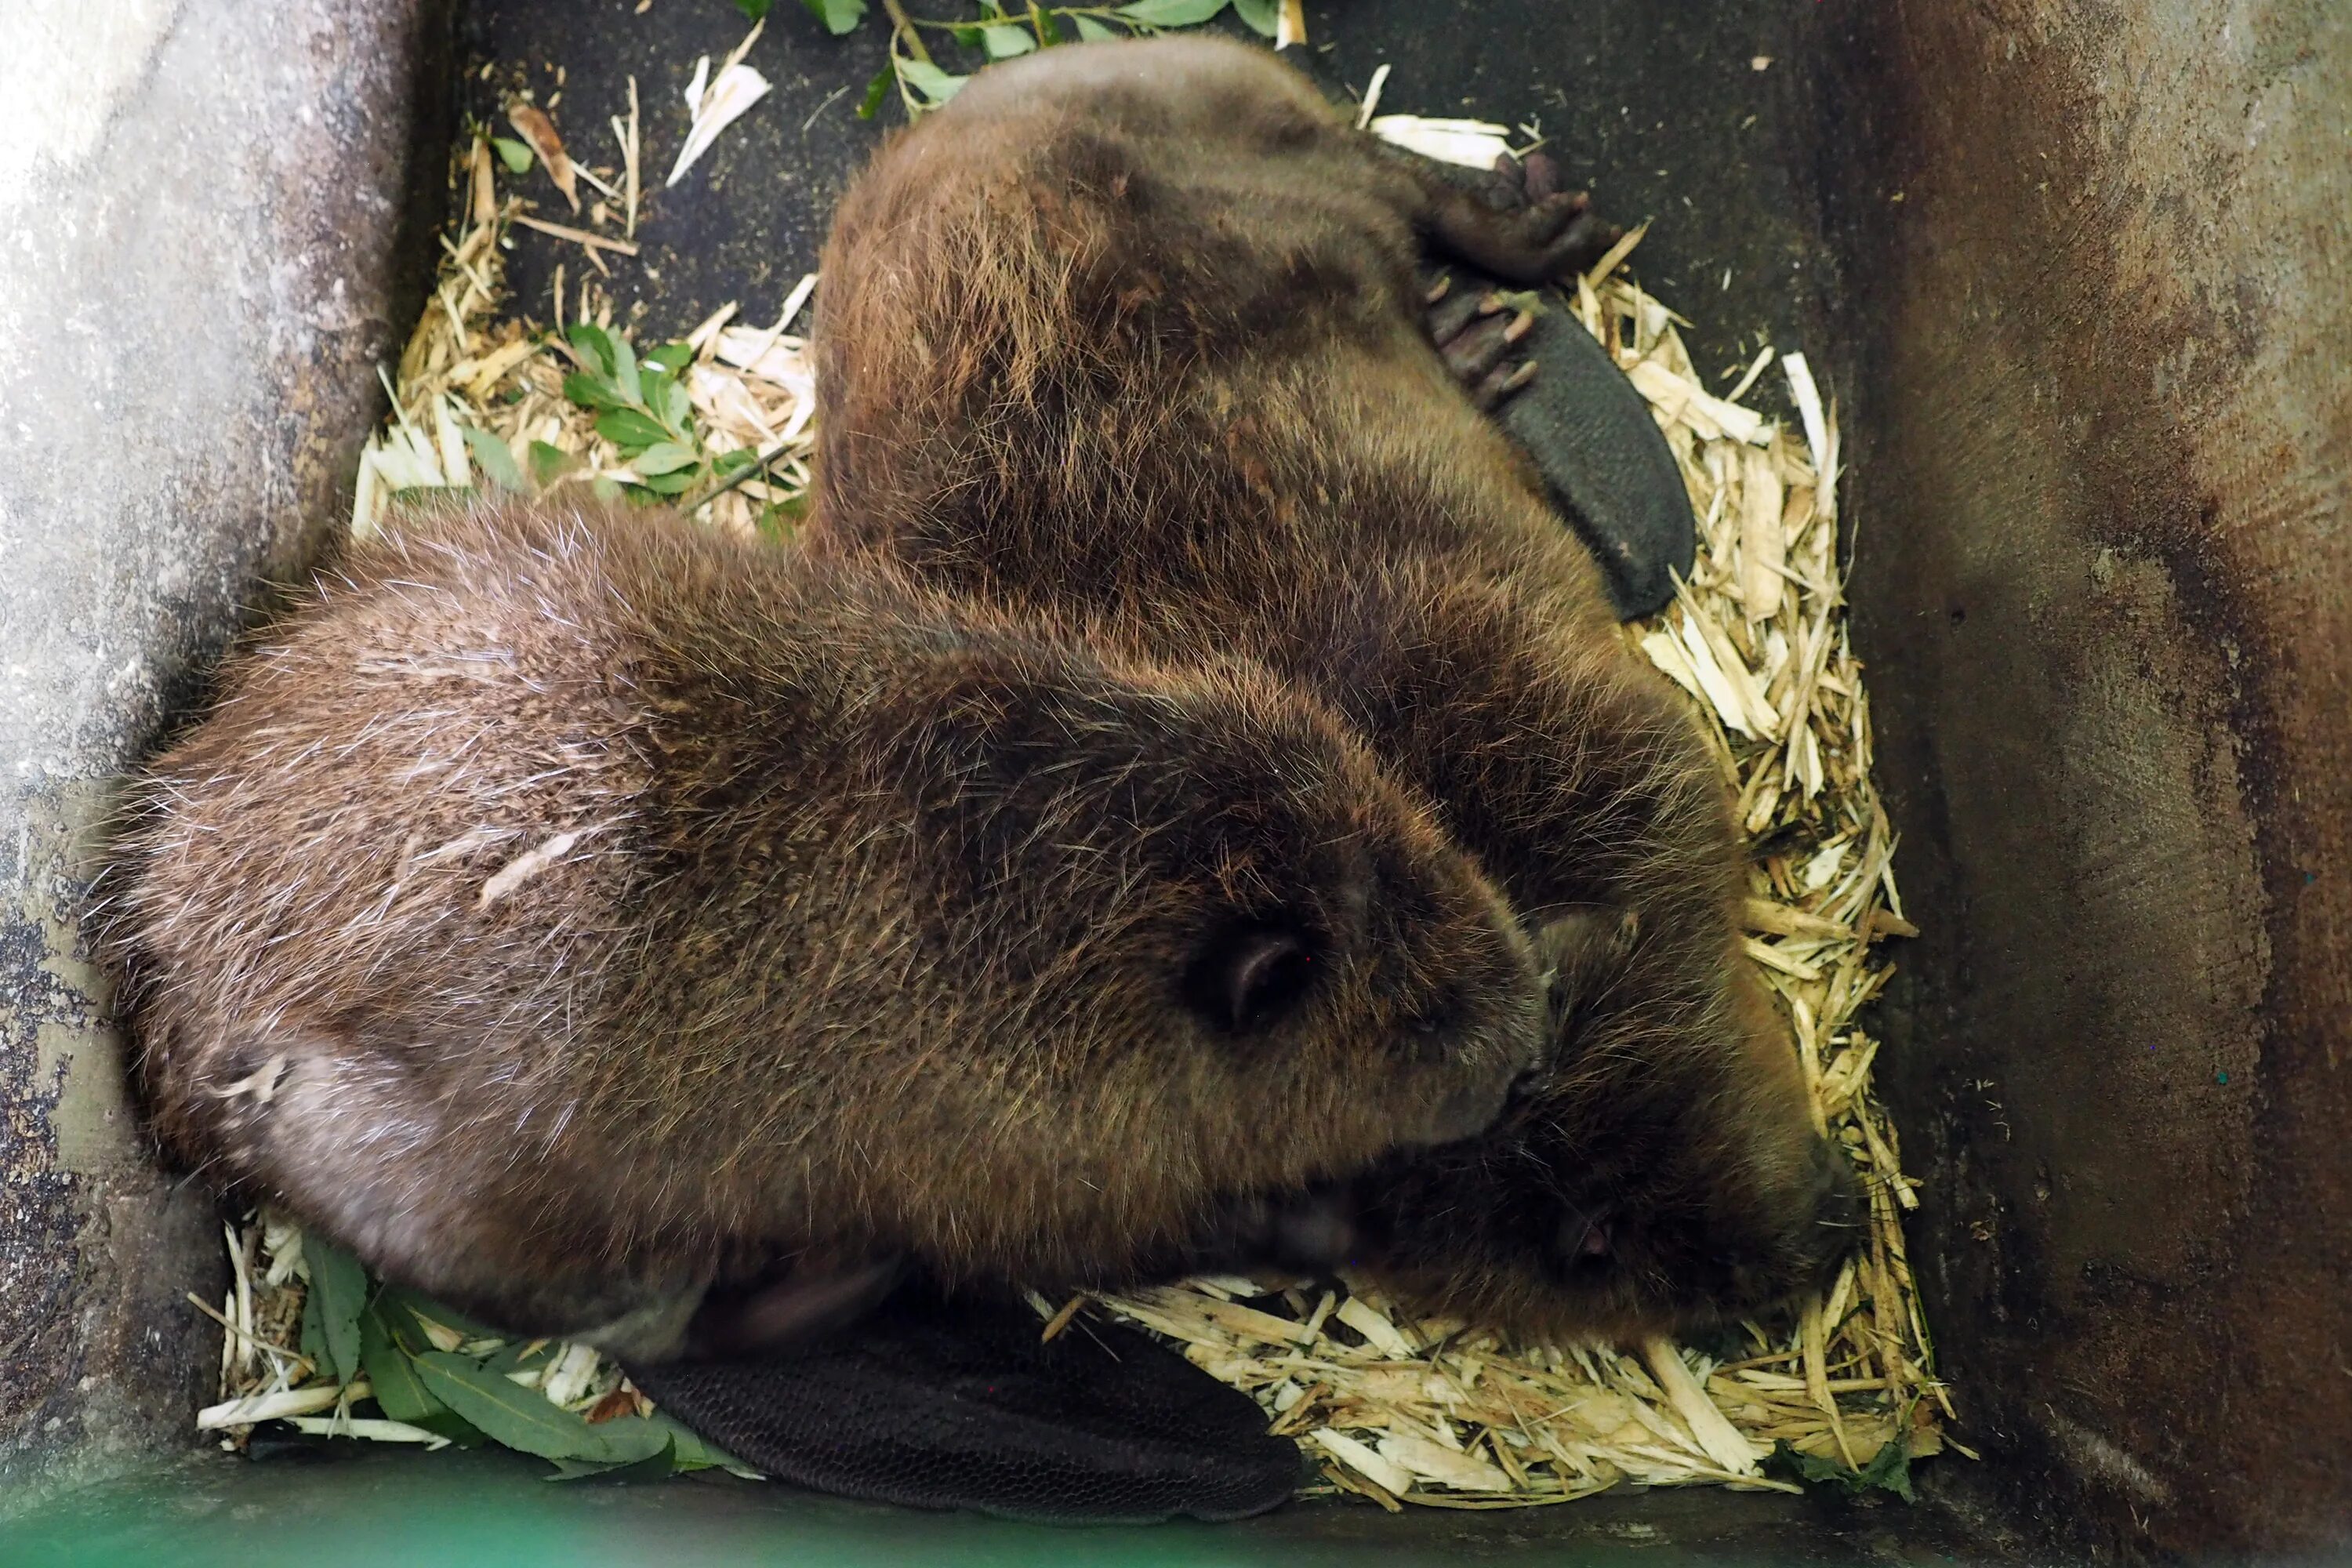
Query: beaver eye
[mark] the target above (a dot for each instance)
(1250, 975)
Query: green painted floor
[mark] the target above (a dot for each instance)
(377, 1509)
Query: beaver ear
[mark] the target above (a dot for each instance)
(1250, 975)
(1572, 941)
(1577, 947)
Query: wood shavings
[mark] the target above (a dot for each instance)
(722, 103)
(1610, 260)
(630, 151)
(581, 237)
(372, 1428)
(1473, 143)
(259, 1407)
(1374, 1467)
(1365, 110)
(1711, 1428)
(1808, 399)
(1290, 24)
(1680, 398)
(465, 379)
(526, 866)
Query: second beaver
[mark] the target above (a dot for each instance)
(1129, 331)
(569, 911)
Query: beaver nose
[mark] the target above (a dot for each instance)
(1586, 1239)
(1469, 1109)
(1840, 1210)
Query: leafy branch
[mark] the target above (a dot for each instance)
(643, 410)
(423, 1365)
(1001, 32)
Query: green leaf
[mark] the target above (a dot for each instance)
(1095, 32)
(549, 464)
(629, 429)
(522, 1418)
(778, 519)
(607, 491)
(755, 9)
(624, 371)
(594, 342)
(1171, 13)
(495, 460)
(591, 390)
(671, 357)
(936, 85)
(877, 91)
(1889, 1470)
(1794, 1464)
(676, 484)
(727, 465)
(314, 1333)
(1003, 43)
(399, 1393)
(1263, 17)
(965, 33)
(665, 400)
(1052, 34)
(663, 457)
(839, 16)
(690, 1452)
(454, 1427)
(339, 1287)
(653, 1467)
(514, 155)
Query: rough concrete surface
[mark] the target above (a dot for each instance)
(2100, 267)
(198, 207)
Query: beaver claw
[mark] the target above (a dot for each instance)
(1588, 432)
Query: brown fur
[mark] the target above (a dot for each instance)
(1128, 332)
(566, 910)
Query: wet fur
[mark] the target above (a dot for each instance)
(566, 910)
(1130, 332)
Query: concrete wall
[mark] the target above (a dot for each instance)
(199, 203)
(2099, 265)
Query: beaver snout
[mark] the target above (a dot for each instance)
(1467, 1112)
(1515, 1069)
(1796, 1247)
(1494, 1063)
(1839, 1213)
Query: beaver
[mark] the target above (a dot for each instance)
(576, 913)
(1132, 333)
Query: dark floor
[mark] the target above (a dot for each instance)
(1675, 113)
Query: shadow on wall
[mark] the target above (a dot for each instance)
(2100, 266)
